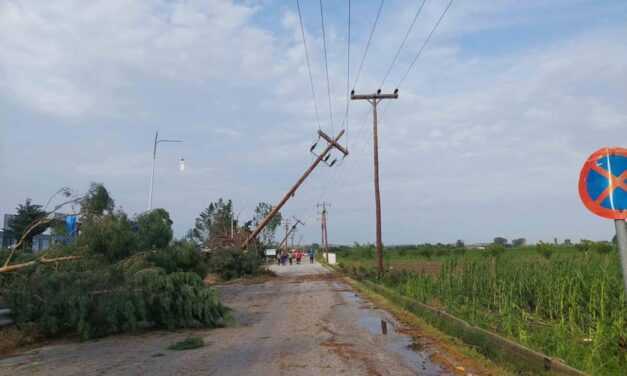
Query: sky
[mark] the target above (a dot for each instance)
(486, 139)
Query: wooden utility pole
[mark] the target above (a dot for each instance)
(331, 143)
(323, 225)
(289, 231)
(374, 100)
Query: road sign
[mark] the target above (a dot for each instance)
(603, 183)
(603, 189)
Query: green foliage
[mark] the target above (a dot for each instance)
(94, 301)
(154, 229)
(234, 263)
(545, 250)
(267, 234)
(570, 305)
(188, 343)
(27, 214)
(495, 250)
(213, 225)
(97, 201)
(181, 256)
(602, 247)
(110, 235)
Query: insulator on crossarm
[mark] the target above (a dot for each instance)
(332, 163)
(313, 147)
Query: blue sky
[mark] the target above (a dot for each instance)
(487, 137)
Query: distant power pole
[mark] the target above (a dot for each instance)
(323, 227)
(289, 231)
(374, 100)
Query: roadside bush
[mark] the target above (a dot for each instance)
(234, 263)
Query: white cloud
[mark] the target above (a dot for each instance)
(73, 58)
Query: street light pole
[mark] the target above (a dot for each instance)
(154, 162)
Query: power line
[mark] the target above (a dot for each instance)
(424, 44)
(374, 26)
(400, 48)
(348, 71)
(311, 83)
(326, 65)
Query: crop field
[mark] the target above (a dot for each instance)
(565, 301)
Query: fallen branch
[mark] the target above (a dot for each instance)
(40, 221)
(43, 260)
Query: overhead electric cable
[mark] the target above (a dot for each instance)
(374, 27)
(348, 73)
(326, 65)
(424, 44)
(311, 82)
(400, 48)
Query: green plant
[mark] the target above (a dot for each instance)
(545, 250)
(110, 235)
(569, 305)
(181, 256)
(234, 263)
(26, 215)
(495, 250)
(154, 229)
(188, 343)
(94, 298)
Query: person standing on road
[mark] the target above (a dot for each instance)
(299, 256)
(283, 258)
(311, 255)
(290, 255)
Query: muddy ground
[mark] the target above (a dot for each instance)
(304, 322)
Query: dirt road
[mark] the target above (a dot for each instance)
(305, 322)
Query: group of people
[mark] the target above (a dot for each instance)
(283, 257)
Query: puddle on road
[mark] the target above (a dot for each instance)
(376, 322)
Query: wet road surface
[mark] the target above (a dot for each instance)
(305, 322)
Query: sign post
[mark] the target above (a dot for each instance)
(603, 190)
(621, 238)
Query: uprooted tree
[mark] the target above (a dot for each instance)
(120, 274)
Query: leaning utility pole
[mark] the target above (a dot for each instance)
(323, 225)
(323, 157)
(289, 231)
(374, 100)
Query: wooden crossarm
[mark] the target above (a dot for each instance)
(334, 142)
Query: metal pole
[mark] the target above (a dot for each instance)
(621, 238)
(152, 177)
(377, 194)
(154, 159)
